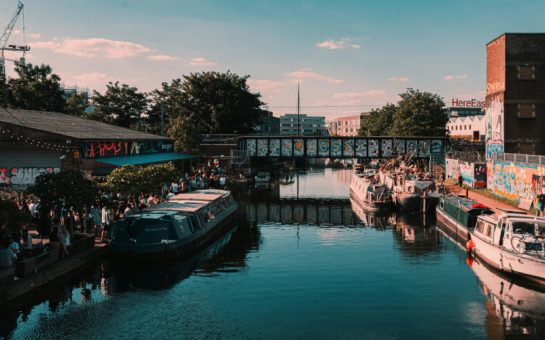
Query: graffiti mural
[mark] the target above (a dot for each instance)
(348, 147)
(424, 148)
(286, 147)
(274, 147)
(387, 148)
(299, 147)
(323, 147)
(361, 148)
(399, 147)
(515, 180)
(23, 176)
(494, 126)
(251, 147)
(452, 169)
(112, 149)
(373, 148)
(436, 147)
(336, 147)
(412, 146)
(262, 147)
(312, 147)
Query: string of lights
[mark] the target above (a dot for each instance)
(14, 136)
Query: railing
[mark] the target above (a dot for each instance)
(521, 158)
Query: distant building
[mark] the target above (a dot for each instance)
(70, 91)
(345, 126)
(515, 94)
(268, 125)
(308, 125)
(464, 111)
(471, 127)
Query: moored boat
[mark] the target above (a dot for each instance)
(179, 227)
(370, 194)
(416, 195)
(512, 242)
(459, 214)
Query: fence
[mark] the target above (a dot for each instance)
(521, 158)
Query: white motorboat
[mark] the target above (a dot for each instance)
(512, 242)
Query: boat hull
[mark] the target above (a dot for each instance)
(414, 202)
(175, 250)
(508, 261)
(371, 206)
(455, 227)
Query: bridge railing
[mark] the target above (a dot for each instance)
(521, 158)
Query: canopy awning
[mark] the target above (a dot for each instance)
(145, 158)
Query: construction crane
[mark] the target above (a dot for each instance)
(4, 46)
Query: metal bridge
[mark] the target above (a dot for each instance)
(341, 147)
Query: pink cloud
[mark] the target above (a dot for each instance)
(93, 48)
(453, 77)
(307, 73)
(399, 79)
(202, 61)
(338, 44)
(365, 94)
(162, 57)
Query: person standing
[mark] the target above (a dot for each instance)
(540, 204)
(105, 221)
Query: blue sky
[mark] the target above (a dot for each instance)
(349, 56)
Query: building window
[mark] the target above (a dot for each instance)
(526, 110)
(526, 72)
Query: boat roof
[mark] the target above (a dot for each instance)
(178, 206)
(466, 203)
(207, 195)
(511, 215)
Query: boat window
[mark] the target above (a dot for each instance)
(479, 227)
(489, 229)
(523, 228)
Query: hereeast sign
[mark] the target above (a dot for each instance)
(467, 102)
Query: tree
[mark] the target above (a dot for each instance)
(36, 88)
(121, 105)
(64, 189)
(379, 122)
(185, 132)
(132, 180)
(4, 91)
(76, 105)
(419, 114)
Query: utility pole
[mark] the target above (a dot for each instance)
(298, 112)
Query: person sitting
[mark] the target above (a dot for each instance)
(7, 256)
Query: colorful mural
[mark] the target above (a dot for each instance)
(336, 147)
(251, 147)
(361, 148)
(274, 147)
(373, 148)
(424, 148)
(109, 149)
(494, 126)
(299, 147)
(312, 147)
(412, 146)
(262, 147)
(23, 176)
(323, 147)
(515, 180)
(348, 147)
(436, 147)
(399, 147)
(287, 147)
(386, 148)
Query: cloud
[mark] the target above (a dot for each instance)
(365, 94)
(307, 73)
(162, 57)
(202, 61)
(399, 79)
(338, 44)
(93, 48)
(89, 77)
(263, 85)
(453, 77)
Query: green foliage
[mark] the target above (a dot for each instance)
(121, 105)
(36, 88)
(379, 122)
(184, 130)
(416, 114)
(131, 180)
(76, 105)
(207, 103)
(68, 188)
(4, 91)
(419, 114)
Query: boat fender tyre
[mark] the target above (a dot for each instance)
(410, 189)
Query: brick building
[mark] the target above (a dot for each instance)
(515, 94)
(347, 126)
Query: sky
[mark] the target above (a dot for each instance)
(349, 56)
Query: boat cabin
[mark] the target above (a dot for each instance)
(463, 210)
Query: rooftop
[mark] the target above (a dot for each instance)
(71, 126)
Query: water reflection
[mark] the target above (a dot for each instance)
(515, 307)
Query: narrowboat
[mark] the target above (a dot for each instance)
(416, 195)
(370, 194)
(178, 227)
(459, 214)
(513, 242)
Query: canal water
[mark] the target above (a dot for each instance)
(303, 261)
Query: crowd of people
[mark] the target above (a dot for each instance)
(60, 223)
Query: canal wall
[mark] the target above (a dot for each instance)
(515, 180)
(473, 173)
